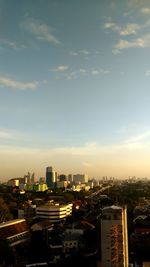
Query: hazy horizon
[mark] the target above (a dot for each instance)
(74, 87)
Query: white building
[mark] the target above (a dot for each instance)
(114, 241)
(54, 212)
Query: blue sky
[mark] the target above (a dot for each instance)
(75, 87)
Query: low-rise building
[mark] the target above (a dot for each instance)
(14, 232)
(14, 237)
(54, 212)
(72, 240)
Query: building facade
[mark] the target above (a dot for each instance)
(54, 212)
(51, 177)
(80, 178)
(14, 231)
(114, 240)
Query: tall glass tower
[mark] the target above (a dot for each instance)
(51, 177)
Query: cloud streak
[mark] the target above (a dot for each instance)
(60, 68)
(14, 84)
(112, 26)
(140, 140)
(66, 71)
(147, 73)
(40, 30)
(83, 52)
(129, 29)
(124, 158)
(99, 71)
(9, 134)
(11, 44)
(145, 11)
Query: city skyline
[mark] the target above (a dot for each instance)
(74, 87)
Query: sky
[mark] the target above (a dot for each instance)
(75, 87)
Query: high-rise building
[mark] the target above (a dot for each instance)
(114, 240)
(42, 180)
(27, 178)
(62, 177)
(82, 178)
(70, 178)
(51, 177)
(33, 178)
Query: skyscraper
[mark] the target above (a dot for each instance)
(114, 240)
(27, 178)
(51, 177)
(33, 178)
(83, 178)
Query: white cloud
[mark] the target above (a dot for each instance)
(135, 43)
(83, 71)
(61, 68)
(109, 25)
(84, 52)
(11, 44)
(87, 164)
(9, 134)
(72, 75)
(124, 158)
(99, 71)
(145, 11)
(131, 28)
(88, 149)
(103, 71)
(112, 26)
(74, 53)
(94, 72)
(137, 3)
(6, 134)
(41, 30)
(139, 141)
(139, 137)
(12, 83)
(147, 73)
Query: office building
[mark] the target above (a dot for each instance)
(62, 177)
(114, 241)
(54, 212)
(51, 177)
(70, 178)
(80, 178)
(62, 184)
(33, 178)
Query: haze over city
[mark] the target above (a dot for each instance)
(74, 87)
